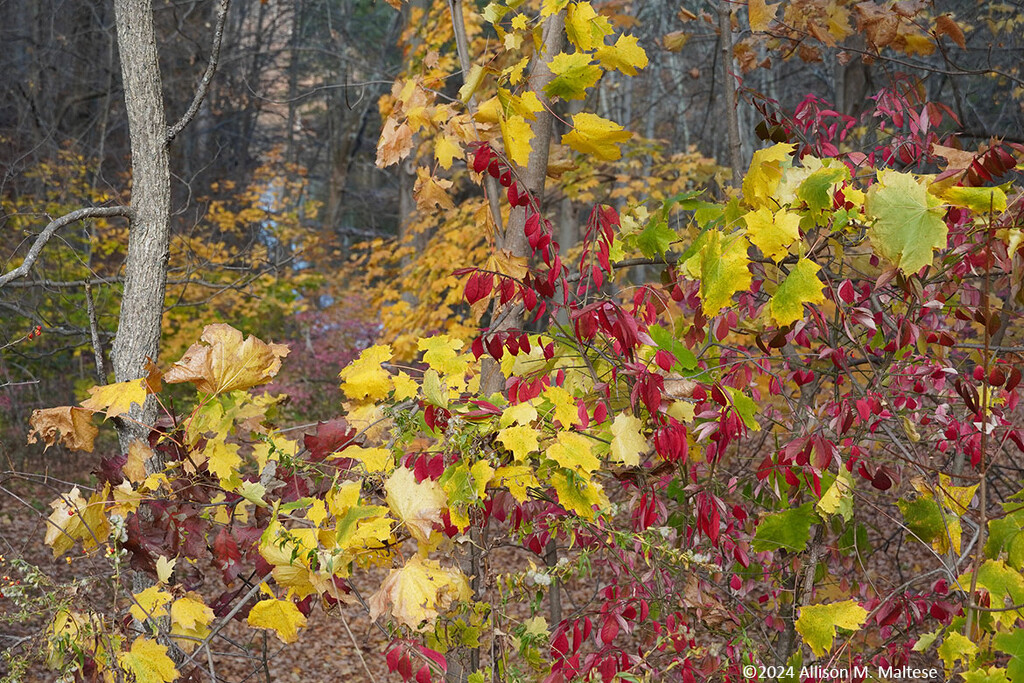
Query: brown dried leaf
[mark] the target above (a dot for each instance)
(223, 362)
(395, 143)
(67, 424)
(945, 26)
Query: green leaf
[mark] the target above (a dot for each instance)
(685, 359)
(908, 223)
(1004, 584)
(573, 75)
(1012, 643)
(923, 517)
(818, 623)
(745, 407)
(656, 238)
(817, 188)
(991, 675)
(800, 287)
(789, 529)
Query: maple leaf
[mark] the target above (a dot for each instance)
(150, 603)
(628, 444)
(573, 75)
(373, 459)
(222, 459)
(584, 27)
(441, 353)
(280, 616)
(520, 440)
(222, 361)
(148, 662)
(565, 405)
(116, 399)
(980, 200)
(817, 623)
(773, 233)
(517, 134)
(518, 479)
(579, 495)
(596, 136)
(417, 505)
(446, 150)
(761, 15)
(190, 618)
(800, 287)
(838, 499)
(416, 593)
(520, 413)
(626, 55)
(908, 222)
(65, 523)
(364, 378)
(572, 451)
(765, 173)
(134, 467)
(68, 425)
(394, 144)
(430, 191)
(721, 266)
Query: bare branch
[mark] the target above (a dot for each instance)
(204, 83)
(54, 226)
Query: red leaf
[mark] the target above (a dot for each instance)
(609, 629)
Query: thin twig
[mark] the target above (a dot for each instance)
(204, 83)
(94, 332)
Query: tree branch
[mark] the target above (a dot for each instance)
(54, 226)
(204, 83)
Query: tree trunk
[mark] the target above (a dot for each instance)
(138, 330)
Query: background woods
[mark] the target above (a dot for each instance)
(538, 340)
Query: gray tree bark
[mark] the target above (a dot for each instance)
(142, 305)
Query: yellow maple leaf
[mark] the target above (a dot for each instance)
(521, 413)
(373, 459)
(626, 55)
(761, 15)
(441, 353)
(578, 495)
(150, 603)
(364, 378)
(627, 441)
(69, 425)
(447, 149)
(565, 405)
(224, 361)
(773, 233)
(190, 618)
(416, 593)
(280, 616)
(116, 399)
(520, 440)
(417, 505)
(518, 479)
(584, 27)
(517, 134)
(765, 174)
(148, 662)
(596, 136)
(572, 451)
(222, 459)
